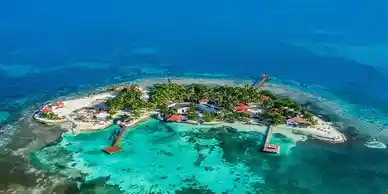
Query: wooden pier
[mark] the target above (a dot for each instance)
(259, 83)
(270, 148)
(115, 147)
(124, 127)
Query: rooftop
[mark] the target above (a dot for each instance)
(181, 105)
(299, 120)
(240, 108)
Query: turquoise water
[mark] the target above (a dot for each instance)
(158, 157)
(3, 116)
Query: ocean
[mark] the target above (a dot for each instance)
(331, 53)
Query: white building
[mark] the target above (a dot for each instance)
(182, 108)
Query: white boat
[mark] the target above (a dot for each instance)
(374, 144)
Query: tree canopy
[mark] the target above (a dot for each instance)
(50, 116)
(277, 108)
(223, 96)
(128, 98)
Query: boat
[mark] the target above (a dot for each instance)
(374, 144)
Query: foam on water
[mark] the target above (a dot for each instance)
(155, 158)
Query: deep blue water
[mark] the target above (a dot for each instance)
(245, 38)
(51, 48)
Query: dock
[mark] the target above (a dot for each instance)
(124, 126)
(115, 147)
(270, 148)
(259, 83)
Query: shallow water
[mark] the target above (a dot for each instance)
(158, 158)
(171, 158)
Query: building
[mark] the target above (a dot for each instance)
(182, 108)
(57, 105)
(240, 108)
(203, 101)
(175, 118)
(46, 110)
(298, 121)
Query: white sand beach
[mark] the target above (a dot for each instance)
(89, 101)
(75, 104)
(322, 131)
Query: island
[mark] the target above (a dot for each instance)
(191, 103)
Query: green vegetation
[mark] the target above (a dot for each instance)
(51, 116)
(208, 117)
(168, 111)
(128, 99)
(277, 108)
(161, 94)
(272, 117)
(125, 117)
(235, 116)
(224, 96)
(191, 114)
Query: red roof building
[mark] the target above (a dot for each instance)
(175, 118)
(240, 108)
(46, 110)
(203, 101)
(59, 104)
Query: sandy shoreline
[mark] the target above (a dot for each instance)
(296, 134)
